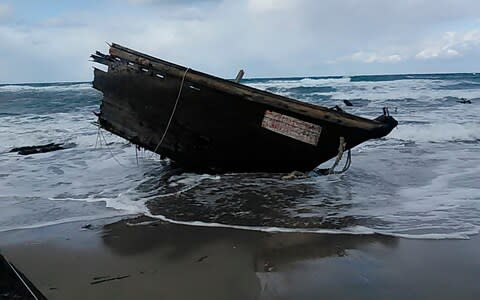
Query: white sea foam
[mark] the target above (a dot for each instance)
(446, 188)
(354, 230)
(423, 90)
(418, 89)
(124, 207)
(305, 82)
(443, 201)
(462, 235)
(188, 179)
(438, 132)
(28, 130)
(48, 88)
(63, 221)
(132, 201)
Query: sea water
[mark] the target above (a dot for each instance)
(421, 181)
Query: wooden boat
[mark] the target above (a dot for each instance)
(205, 123)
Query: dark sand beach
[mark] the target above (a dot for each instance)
(139, 259)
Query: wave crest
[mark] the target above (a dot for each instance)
(447, 132)
(60, 87)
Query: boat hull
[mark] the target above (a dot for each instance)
(204, 128)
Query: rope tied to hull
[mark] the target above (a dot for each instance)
(341, 150)
(100, 134)
(173, 111)
(110, 150)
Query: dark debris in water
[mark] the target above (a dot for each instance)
(28, 150)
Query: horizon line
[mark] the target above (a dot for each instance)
(280, 78)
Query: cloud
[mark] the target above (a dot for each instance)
(430, 53)
(452, 44)
(447, 45)
(269, 6)
(265, 37)
(5, 10)
(170, 2)
(372, 57)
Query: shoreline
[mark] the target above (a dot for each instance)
(355, 230)
(113, 260)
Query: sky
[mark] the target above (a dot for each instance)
(51, 40)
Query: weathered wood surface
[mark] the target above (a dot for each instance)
(246, 92)
(239, 76)
(217, 125)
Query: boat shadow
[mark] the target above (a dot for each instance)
(267, 251)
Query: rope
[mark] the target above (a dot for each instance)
(136, 153)
(348, 162)
(173, 111)
(21, 279)
(98, 137)
(110, 150)
(341, 148)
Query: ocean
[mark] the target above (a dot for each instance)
(421, 181)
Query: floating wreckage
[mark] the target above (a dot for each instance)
(209, 124)
(28, 150)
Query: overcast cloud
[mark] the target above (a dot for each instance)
(44, 41)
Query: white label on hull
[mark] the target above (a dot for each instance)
(292, 127)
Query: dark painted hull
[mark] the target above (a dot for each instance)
(218, 125)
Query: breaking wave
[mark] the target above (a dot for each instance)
(437, 133)
(59, 87)
(327, 82)
(421, 181)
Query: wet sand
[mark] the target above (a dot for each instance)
(159, 260)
